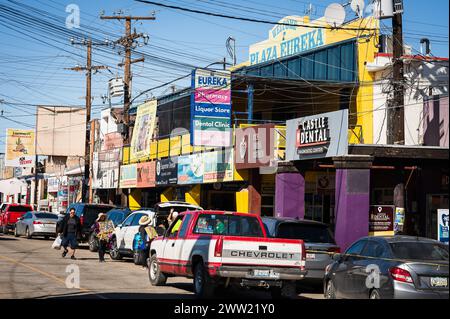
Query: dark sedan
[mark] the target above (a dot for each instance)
(397, 267)
(319, 242)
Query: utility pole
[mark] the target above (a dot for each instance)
(396, 110)
(128, 42)
(87, 183)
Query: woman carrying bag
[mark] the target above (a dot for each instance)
(103, 230)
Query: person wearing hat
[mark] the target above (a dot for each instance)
(103, 230)
(147, 233)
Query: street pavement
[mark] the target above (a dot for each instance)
(32, 269)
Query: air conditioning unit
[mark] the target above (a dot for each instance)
(116, 87)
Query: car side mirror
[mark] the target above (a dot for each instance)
(120, 225)
(337, 257)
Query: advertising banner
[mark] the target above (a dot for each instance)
(255, 146)
(381, 219)
(105, 167)
(143, 130)
(211, 108)
(146, 174)
(443, 225)
(53, 185)
(20, 148)
(219, 166)
(191, 169)
(112, 141)
(166, 172)
(317, 136)
(128, 176)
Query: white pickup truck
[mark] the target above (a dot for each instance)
(219, 249)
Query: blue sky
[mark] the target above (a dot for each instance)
(32, 66)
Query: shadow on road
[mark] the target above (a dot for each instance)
(120, 295)
(7, 238)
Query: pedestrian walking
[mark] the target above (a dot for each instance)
(70, 228)
(143, 240)
(103, 230)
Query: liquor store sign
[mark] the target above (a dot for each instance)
(317, 136)
(211, 108)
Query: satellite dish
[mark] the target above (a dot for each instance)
(358, 7)
(335, 14)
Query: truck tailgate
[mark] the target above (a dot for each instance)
(262, 252)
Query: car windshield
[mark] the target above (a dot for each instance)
(420, 251)
(20, 209)
(309, 233)
(241, 226)
(46, 216)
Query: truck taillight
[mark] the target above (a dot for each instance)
(303, 255)
(401, 275)
(82, 220)
(218, 248)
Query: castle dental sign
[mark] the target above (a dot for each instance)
(313, 135)
(287, 39)
(317, 136)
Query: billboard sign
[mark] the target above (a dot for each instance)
(105, 166)
(20, 148)
(166, 172)
(211, 108)
(191, 169)
(317, 136)
(219, 166)
(143, 130)
(146, 174)
(53, 185)
(128, 176)
(255, 146)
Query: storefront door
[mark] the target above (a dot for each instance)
(434, 202)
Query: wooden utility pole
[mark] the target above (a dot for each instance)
(87, 182)
(127, 42)
(396, 109)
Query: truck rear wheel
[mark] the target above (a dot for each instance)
(157, 278)
(203, 285)
(287, 291)
(93, 243)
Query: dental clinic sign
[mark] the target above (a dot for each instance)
(317, 136)
(287, 39)
(211, 108)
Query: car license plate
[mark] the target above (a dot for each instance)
(310, 256)
(439, 282)
(264, 274)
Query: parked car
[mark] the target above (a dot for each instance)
(398, 267)
(123, 236)
(117, 216)
(10, 214)
(87, 213)
(319, 242)
(36, 224)
(224, 249)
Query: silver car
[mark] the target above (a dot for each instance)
(397, 267)
(36, 224)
